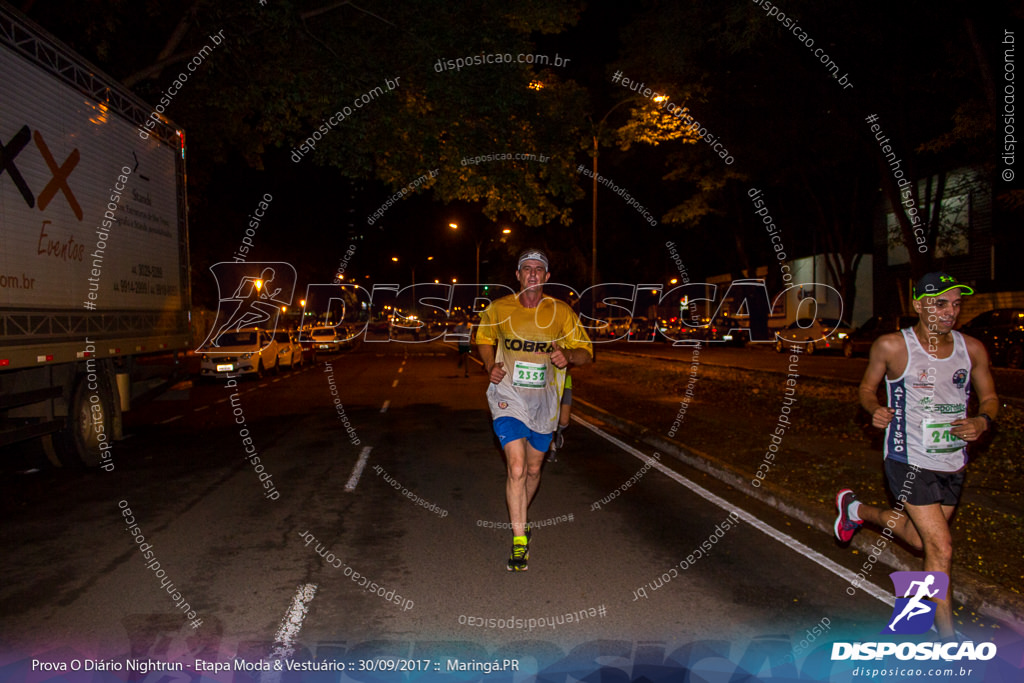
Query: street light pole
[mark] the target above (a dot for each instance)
(479, 241)
(593, 227)
(593, 207)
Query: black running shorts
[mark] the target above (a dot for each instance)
(923, 487)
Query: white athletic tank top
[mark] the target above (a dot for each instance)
(931, 393)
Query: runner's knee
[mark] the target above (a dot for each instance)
(517, 471)
(940, 550)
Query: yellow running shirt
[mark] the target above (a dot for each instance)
(532, 387)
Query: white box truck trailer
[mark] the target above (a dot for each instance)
(94, 269)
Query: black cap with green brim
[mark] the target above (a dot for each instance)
(934, 284)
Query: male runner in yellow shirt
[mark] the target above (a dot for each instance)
(526, 342)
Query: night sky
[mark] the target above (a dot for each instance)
(793, 129)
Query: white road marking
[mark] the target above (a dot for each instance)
(357, 471)
(400, 369)
(394, 384)
(291, 624)
(384, 408)
(196, 410)
(785, 539)
(171, 419)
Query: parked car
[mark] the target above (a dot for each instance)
(1001, 330)
(289, 351)
(617, 328)
(641, 329)
(725, 331)
(327, 339)
(307, 345)
(813, 335)
(676, 330)
(684, 328)
(249, 351)
(861, 339)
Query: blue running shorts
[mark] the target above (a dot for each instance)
(510, 429)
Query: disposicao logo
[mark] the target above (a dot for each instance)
(913, 614)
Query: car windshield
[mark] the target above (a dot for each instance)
(282, 338)
(324, 332)
(832, 323)
(237, 339)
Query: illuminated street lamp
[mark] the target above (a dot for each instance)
(593, 226)
(479, 243)
(655, 129)
(412, 268)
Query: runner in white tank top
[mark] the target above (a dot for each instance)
(929, 370)
(930, 394)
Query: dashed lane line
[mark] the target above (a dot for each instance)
(291, 624)
(357, 471)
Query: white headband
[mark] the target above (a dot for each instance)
(534, 256)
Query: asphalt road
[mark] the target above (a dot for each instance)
(401, 485)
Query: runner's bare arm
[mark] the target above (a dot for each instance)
(562, 358)
(878, 363)
(495, 370)
(969, 429)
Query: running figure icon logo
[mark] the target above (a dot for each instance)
(914, 613)
(249, 294)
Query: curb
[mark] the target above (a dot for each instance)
(971, 589)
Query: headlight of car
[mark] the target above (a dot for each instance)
(246, 356)
(843, 335)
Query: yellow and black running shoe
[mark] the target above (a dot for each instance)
(517, 560)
